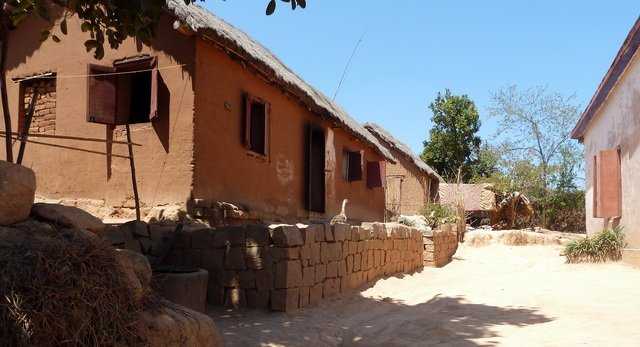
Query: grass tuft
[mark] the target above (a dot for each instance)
(605, 246)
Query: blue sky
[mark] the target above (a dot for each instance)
(414, 48)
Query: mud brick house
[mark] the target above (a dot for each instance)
(410, 183)
(214, 117)
(609, 128)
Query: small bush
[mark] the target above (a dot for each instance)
(437, 214)
(604, 246)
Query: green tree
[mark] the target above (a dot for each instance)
(105, 22)
(534, 127)
(453, 142)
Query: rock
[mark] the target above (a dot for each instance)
(172, 214)
(17, 189)
(173, 325)
(72, 217)
(137, 271)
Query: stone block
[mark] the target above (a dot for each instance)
(285, 300)
(315, 294)
(282, 253)
(247, 279)
(264, 280)
(332, 269)
(258, 299)
(305, 293)
(237, 236)
(340, 231)
(357, 262)
(328, 233)
(286, 236)
(234, 259)
(308, 276)
(320, 233)
(331, 287)
(316, 256)
(305, 254)
(355, 233)
(321, 273)
(342, 268)
(288, 274)
(349, 264)
(309, 232)
(256, 236)
(220, 238)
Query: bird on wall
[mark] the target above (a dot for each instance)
(342, 217)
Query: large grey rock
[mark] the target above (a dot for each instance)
(17, 192)
(68, 216)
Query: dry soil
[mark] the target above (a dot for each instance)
(490, 296)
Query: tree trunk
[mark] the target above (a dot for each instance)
(4, 99)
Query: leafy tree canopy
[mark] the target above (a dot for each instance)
(453, 141)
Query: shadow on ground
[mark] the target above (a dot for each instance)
(358, 321)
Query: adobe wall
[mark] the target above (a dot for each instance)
(440, 246)
(618, 124)
(284, 268)
(410, 196)
(79, 167)
(273, 188)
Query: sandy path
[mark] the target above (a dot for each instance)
(496, 295)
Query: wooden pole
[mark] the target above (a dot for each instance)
(24, 135)
(4, 99)
(133, 173)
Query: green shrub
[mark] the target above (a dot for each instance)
(604, 246)
(437, 214)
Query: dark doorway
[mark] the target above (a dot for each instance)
(315, 166)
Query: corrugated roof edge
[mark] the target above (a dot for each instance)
(386, 137)
(617, 68)
(210, 26)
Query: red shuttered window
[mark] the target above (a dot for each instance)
(607, 184)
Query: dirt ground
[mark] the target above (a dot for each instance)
(488, 296)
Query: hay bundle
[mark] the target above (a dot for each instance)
(62, 288)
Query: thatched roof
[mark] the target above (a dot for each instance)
(404, 150)
(210, 27)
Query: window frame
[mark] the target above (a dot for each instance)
(250, 99)
(347, 173)
(108, 112)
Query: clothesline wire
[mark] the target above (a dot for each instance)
(56, 76)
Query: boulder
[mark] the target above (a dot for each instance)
(17, 189)
(68, 216)
(136, 270)
(173, 325)
(170, 214)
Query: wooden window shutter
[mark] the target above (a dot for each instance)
(102, 95)
(609, 184)
(267, 127)
(153, 108)
(596, 194)
(374, 174)
(247, 121)
(315, 169)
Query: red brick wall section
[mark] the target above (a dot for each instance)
(44, 115)
(285, 268)
(440, 247)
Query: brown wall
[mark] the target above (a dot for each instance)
(80, 169)
(407, 188)
(274, 188)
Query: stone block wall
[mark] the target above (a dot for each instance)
(440, 246)
(287, 267)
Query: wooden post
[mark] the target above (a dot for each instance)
(133, 173)
(24, 134)
(4, 99)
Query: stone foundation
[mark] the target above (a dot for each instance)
(287, 267)
(440, 247)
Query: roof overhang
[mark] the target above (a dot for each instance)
(618, 67)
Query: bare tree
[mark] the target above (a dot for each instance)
(535, 124)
